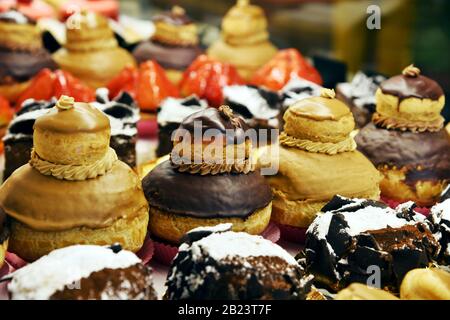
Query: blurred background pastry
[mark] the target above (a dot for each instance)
(365, 241)
(359, 291)
(359, 95)
(202, 187)
(35, 9)
(171, 114)
(426, 284)
(406, 140)
(74, 189)
(216, 263)
(244, 40)
(317, 159)
(84, 272)
(22, 54)
(174, 44)
(91, 52)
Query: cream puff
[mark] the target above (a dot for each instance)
(406, 140)
(245, 41)
(91, 53)
(207, 182)
(22, 54)
(74, 189)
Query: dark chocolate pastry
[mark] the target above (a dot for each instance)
(83, 272)
(205, 196)
(355, 240)
(170, 114)
(122, 113)
(440, 225)
(359, 95)
(220, 264)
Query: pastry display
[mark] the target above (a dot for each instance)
(148, 85)
(91, 52)
(426, 284)
(49, 84)
(170, 115)
(174, 44)
(351, 239)
(219, 264)
(84, 272)
(77, 191)
(208, 180)
(35, 9)
(260, 107)
(440, 225)
(244, 42)
(406, 140)
(359, 95)
(22, 54)
(285, 65)
(122, 113)
(206, 78)
(317, 159)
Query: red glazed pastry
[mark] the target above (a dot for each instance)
(206, 78)
(107, 8)
(34, 9)
(48, 84)
(5, 116)
(280, 69)
(148, 85)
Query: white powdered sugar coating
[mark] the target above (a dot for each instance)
(173, 111)
(222, 227)
(252, 100)
(236, 244)
(63, 267)
(24, 117)
(442, 210)
(308, 89)
(361, 89)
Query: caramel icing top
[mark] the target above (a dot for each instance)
(81, 117)
(325, 107)
(48, 204)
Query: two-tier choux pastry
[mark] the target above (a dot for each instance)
(22, 54)
(406, 140)
(317, 160)
(208, 179)
(174, 45)
(91, 52)
(74, 189)
(245, 41)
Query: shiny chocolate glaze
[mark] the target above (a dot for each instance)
(18, 66)
(429, 150)
(132, 283)
(212, 118)
(218, 196)
(404, 87)
(168, 56)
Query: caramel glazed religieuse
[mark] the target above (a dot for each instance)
(317, 160)
(183, 194)
(406, 140)
(74, 189)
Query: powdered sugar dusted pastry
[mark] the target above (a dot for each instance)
(83, 272)
(351, 238)
(215, 263)
(440, 220)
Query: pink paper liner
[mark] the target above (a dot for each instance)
(165, 253)
(5, 270)
(15, 261)
(147, 251)
(394, 203)
(147, 128)
(292, 234)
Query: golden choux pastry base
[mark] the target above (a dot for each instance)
(3, 248)
(393, 186)
(12, 91)
(30, 244)
(172, 227)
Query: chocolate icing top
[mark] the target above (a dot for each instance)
(218, 196)
(404, 86)
(14, 16)
(213, 118)
(23, 65)
(430, 150)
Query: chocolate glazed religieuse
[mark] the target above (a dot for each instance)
(406, 140)
(74, 190)
(197, 187)
(317, 160)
